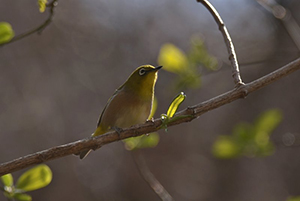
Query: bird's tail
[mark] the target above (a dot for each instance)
(84, 153)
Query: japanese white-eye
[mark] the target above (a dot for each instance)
(131, 103)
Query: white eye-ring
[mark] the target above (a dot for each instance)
(142, 71)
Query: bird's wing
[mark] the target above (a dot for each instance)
(109, 100)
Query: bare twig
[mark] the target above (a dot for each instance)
(186, 115)
(285, 15)
(230, 47)
(149, 177)
(38, 29)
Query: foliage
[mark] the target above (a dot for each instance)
(42, 5)
(33, 179)
(249, 139)
(144, 141)
(166, 118)
(293, 198)
(6, 32)
(185, 65)
(175, 104)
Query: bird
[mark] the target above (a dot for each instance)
(130, 104)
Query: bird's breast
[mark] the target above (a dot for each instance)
(125, 110)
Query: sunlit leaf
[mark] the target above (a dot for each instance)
(175, 104)
(22, 197)
(225, 147)
(198, 54)
(6, 32)
(266, 149)
(7, 180)
(243, 131)
(268, 121)
(253, 140)
(42, 5)
(145, 141)
(189, 79)
(293, 198)
(35, 178)
(172, 58)
(9, 195)
(148, 141)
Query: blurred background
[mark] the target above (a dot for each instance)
(53, 87)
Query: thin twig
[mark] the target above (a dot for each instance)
(38, 29)
(229, 44)
(186, 115)
(149, 177)
(286, 17)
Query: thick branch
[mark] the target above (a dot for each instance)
(186, 115)
(229, 44)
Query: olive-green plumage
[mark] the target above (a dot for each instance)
(131, 103)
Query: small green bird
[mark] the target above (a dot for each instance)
(131, 103)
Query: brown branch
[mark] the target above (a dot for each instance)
(186, 115)
(229, 44)
(39, 28)
(149, 177)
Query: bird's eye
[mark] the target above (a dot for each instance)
(142, 71)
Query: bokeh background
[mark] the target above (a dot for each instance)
(53, 87)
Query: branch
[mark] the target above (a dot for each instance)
(150, 178)
(38, 29)
(286, 17)
(186, 115)
(230, 47)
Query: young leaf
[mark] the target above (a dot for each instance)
(7, 180)
(6, 32)
(42, 5)
(175, 104)
(145, 141)
(172, 58)
(268, 121)
(225, 147)
(198, 54)
(148, 141)
(293, 198)
(35, 178)
(22, 197)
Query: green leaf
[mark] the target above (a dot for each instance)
(253, 140)
(7, 180)
(225, 147)
(6, 32)
(243, 131)
(268, 121)
(9, 195)
(189, 79)
(35, 178)
(293, 198)
(42, 5)
(172, 58)
(175, 104)
(22, 197)
(198, 54)
(145, 141)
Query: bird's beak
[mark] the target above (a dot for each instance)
(157, 68)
